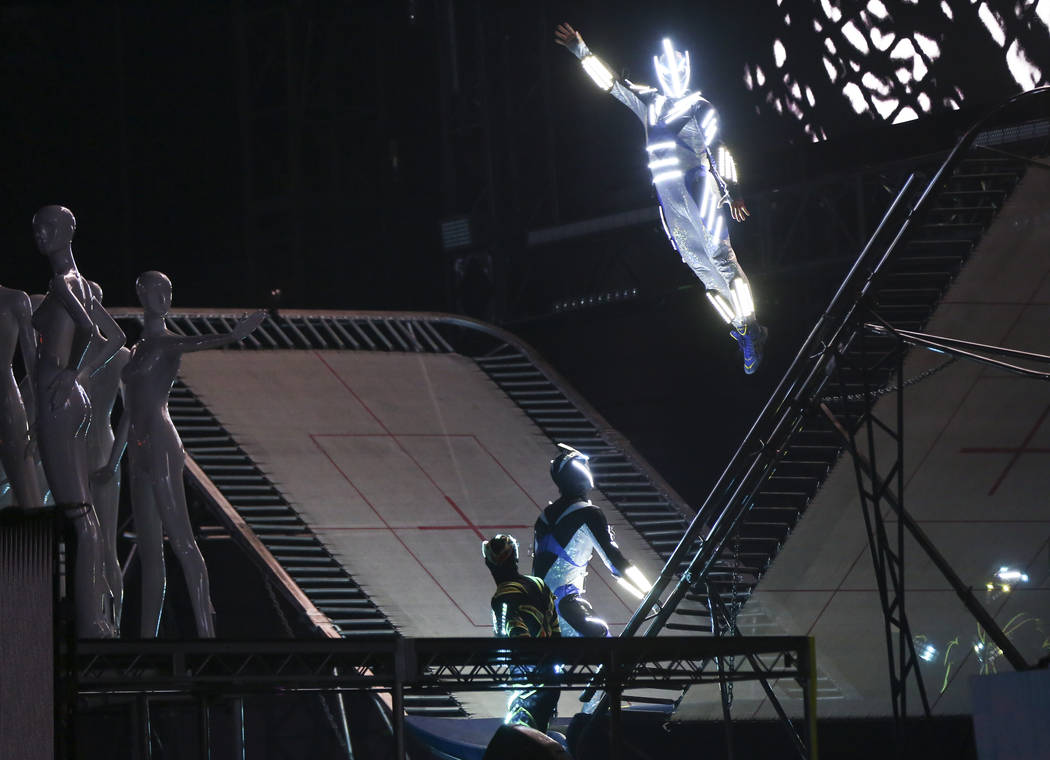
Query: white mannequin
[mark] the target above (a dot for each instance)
(156, 457)
(76, 337)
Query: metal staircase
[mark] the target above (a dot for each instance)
(651, 508)
(911, 286)
(273, 520)
(899, 278)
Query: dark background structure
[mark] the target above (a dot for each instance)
(321, 149)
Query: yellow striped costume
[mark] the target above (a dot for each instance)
(525, 607)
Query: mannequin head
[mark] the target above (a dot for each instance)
(571, 473)
(672, 70)
(53, 228)
(154, 292)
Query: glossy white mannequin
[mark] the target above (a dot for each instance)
(16, 330)
(156, 457)
(76, 338)
(102, 389)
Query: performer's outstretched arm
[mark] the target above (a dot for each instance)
(627, 575)
(602, 75)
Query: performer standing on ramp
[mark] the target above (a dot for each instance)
(693, 173)
(567, 533)
(522, 606)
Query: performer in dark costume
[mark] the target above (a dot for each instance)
(522, 606)
(568, 532)
(693, 173)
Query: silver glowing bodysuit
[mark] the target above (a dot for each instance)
(567, 574)
(692, 172)
(567, 536)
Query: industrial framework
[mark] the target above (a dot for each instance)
(849, 360)
(212, 670)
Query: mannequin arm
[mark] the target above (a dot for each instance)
(203, 342)
(112, 337)
(120, 443)
(27, 347)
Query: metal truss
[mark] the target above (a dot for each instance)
(857, 422)
(723, 624)
(460, 664)
(881, 485)
(208, 670)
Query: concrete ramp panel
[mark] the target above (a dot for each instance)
(400, 463)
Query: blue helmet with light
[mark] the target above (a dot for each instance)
(570, 472)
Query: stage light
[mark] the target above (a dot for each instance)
(1011, 575)
(928, 653)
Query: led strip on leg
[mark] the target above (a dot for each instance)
(745, 305)
(720, 306)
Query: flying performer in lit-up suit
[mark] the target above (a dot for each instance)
(568, 532)
(693, 173)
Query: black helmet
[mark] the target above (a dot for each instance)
(570, 472)
(500, 551)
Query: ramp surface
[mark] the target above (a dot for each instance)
(401, 463)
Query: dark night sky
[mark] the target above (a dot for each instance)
(168, 134)
(134, 116)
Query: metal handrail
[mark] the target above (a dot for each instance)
(471, 325)
(793, 397)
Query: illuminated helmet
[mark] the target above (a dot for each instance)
(570, 472)
(500, 551)
(672, 70)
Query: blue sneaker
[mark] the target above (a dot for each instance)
(751, 339)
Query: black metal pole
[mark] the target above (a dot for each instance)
(204, 731)
(613, 696)
(964, 592)
(142, 730)
(238, 728)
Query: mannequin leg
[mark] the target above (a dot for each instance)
(149, 537)
(19, 466)
(65, 464)
(106, 498)
(171, 502)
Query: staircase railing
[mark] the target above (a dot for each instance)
(802, 384)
